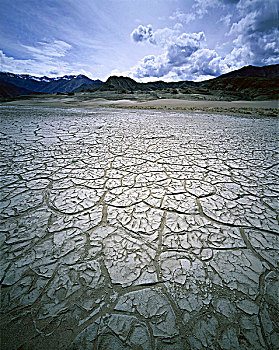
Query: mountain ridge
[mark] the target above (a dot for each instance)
(44, 84)
(249, 82)
(8, 90)
(269, 71)
(240, 82)
(126, 83)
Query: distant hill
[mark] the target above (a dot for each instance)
(268, 72)
(84, 87)
(168, 85)
(8, 90)
(256, 88)
(119, 83)
(249, 82)
(124, 83)
(44, 84)
(271, 71)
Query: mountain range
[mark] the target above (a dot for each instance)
(17, 84)
(249, 82)
(241, 78)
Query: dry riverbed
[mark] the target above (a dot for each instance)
(138, 229)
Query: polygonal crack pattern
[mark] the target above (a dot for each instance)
(138, 230)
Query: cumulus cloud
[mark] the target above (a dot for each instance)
(183, 57)
(184, 46)
(255, 33)
(163, 37)
(202, 65)
(160, 37)
(151, 66)
(142, 33)
(168, 37)
(201, 7)
(253, 27)
(240, 56)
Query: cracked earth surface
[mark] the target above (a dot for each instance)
(138, 230)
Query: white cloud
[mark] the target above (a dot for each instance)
(207, 62)
(33, 66)
(253, 28)
(244, 25)
(183, 17)
(163, 37)
(183, 57)
(57, 48)
(142, 33)
(255, 33)
(203, 64)
(201, 7)
(10, 64)
(184, 46)
(151, 66)
(198, 10)
(245, 6)
(226, 19)
(46, 59)
(240, 56)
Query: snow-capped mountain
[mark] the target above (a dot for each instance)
(67, 83)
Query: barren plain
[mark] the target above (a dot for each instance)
(138, 229)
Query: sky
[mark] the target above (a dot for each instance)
(146, 40)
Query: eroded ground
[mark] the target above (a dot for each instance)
(138, 230)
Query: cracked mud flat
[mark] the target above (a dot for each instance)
(138, 230)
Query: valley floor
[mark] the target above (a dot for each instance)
(190, 103)
(131, 229)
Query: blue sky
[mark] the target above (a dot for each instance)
(144, 39)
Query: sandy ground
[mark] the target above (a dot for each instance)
(248, 107)
(145, 101)
(199, 104)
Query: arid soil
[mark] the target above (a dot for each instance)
(138, 229)
(153, 100)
